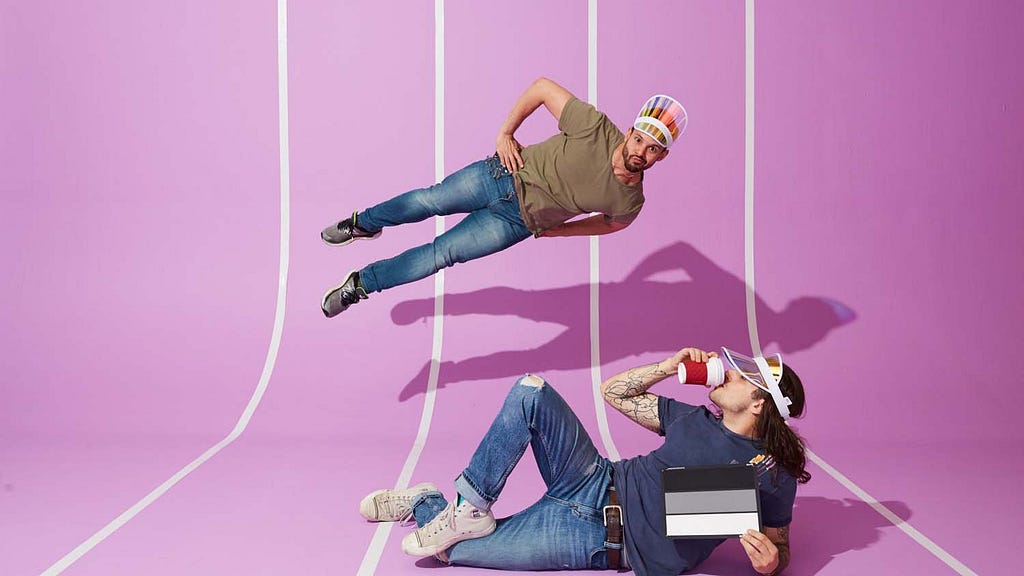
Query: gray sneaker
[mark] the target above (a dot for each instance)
(454, 524)
(346, 231)
(392, 505)
(338, 299)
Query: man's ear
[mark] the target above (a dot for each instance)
(756, 406)
(662, 155)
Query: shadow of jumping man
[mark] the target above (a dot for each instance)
(706, 307)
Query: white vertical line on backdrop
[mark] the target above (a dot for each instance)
(595, 271)
(275, 339)
(755, 346)
(380, 536)
(748, 184)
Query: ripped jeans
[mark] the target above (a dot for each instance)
(564, 530)
(484, 190)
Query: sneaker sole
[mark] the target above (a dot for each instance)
(323, 301)
(425, 551)
(351, 240)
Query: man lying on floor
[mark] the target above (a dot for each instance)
(566, 529)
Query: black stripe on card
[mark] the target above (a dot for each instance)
(693, 478)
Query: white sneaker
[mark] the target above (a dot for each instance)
(392, 505)
(454, 524)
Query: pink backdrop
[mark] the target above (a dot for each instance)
(141, 204)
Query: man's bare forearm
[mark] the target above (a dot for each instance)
(780, 537)
(627, 393)
(590, 226)
(783, 560)
(635, 381)
(783, 546)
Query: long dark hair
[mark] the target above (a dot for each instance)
(779, 440)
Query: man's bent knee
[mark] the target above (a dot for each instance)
(532, 380)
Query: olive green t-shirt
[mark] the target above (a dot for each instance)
(571, 173)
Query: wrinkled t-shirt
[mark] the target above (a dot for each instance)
(571, 173)
(693, 437)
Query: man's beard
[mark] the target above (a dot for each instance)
(625, 162)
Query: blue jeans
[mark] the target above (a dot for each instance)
(484, 190)
(565, 529)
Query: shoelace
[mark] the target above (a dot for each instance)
(445, 518)
(349, 297)
(394, 504)
(347, 227)
(352, 229)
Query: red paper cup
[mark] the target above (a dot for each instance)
(711, 374)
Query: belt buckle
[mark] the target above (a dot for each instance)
(605, 512)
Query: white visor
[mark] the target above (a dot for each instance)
(765, 373)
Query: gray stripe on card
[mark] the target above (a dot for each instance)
(713, 501)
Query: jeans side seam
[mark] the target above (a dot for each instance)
(585, 512)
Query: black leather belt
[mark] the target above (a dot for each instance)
(613, 530)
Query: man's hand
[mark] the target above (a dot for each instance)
(694, 354)
(763, 554)
(769, 552)
(508, 152)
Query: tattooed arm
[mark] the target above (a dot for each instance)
(627, 392)
(768, 551)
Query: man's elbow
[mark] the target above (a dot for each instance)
(551, 94)
(541, 88)
(544, 82)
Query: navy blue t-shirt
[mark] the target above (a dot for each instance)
(693, 437)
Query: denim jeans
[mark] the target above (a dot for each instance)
(565, 528)
(484, 190)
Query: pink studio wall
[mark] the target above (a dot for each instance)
(132, 153)
(894, 147)
(139, 243)
(140, 200)
(889, 136)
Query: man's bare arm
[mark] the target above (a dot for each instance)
(542, 91)
(591, 226)
(627, 393)
(780, 537)
(768, 551)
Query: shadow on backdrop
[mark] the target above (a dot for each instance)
(823, 528)
(675, 297)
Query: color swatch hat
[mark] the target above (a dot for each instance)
(662, 118)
